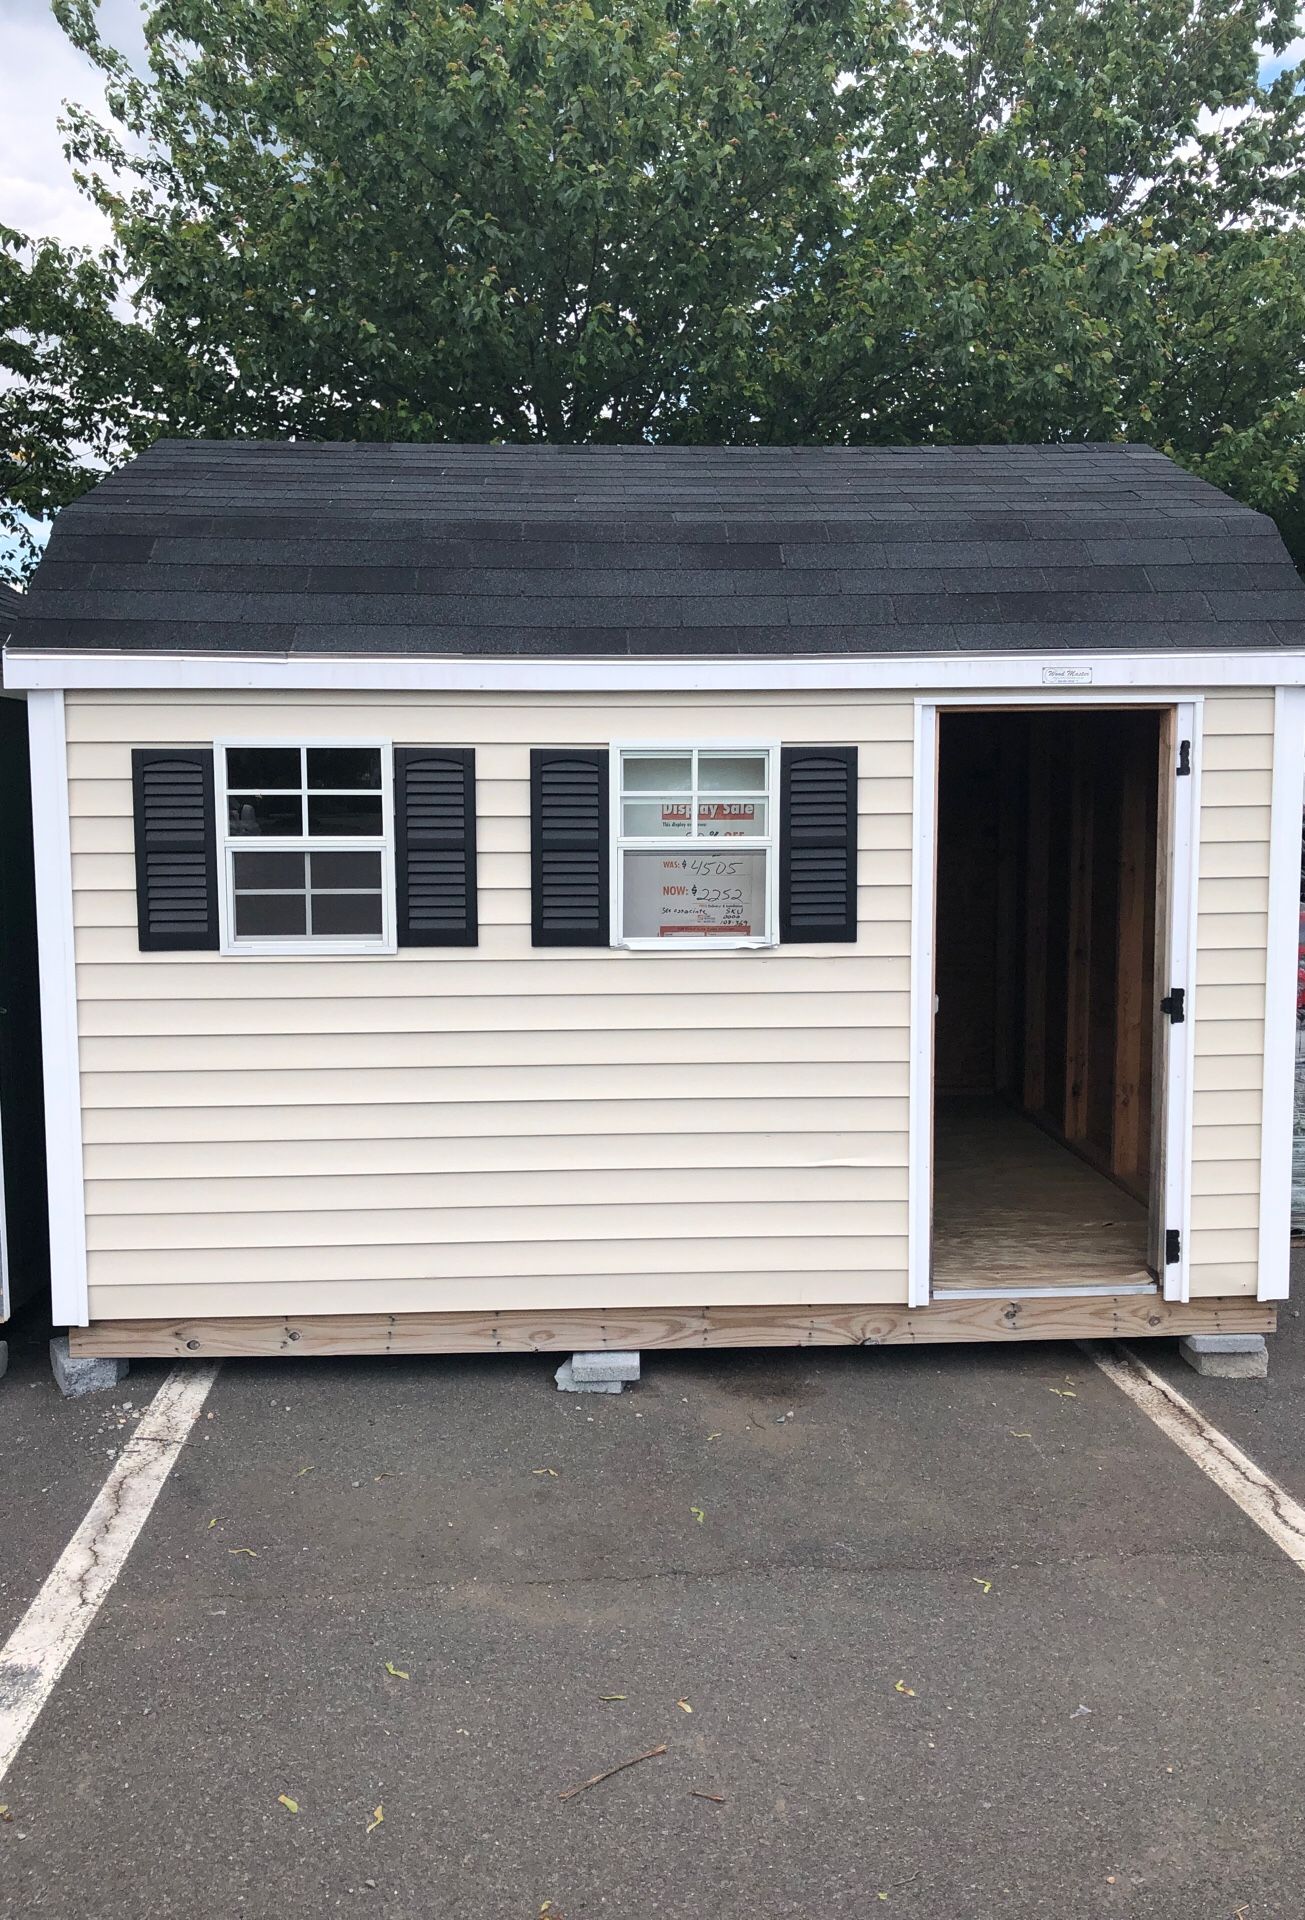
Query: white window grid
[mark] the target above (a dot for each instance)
(307, 945)
(621, 842)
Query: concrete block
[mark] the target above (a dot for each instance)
(1226, 1356)
(567, 1382)
(91, 1374)
(605, 1366)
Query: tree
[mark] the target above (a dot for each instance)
(744, 220)
(66, 363)
(1073, 222)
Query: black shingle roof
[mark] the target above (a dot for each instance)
(242, 546)
(13, 608)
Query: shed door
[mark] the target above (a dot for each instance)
(1179, 852)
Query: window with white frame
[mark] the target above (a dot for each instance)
(307, 852)
(694, 852)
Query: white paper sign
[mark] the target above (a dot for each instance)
(695, 895)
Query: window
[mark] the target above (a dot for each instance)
(693, 846)
(307, 848)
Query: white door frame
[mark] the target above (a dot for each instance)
(1184, 852)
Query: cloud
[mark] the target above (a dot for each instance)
(40, 70)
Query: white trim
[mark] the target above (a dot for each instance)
(1124, 1288)
(306, 946)
(620, 844)
(1277, 1117)
(1180, 1075)
(32, 668)
(919, 1175)
(58, 981)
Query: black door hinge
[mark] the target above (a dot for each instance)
(1173, 1246)
(1184, 756)
(1175, 1005)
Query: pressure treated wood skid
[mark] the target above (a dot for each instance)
(1123, 1317)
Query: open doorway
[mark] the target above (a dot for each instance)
(1047, 1147)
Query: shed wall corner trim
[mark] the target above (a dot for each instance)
(1278, 1114)
(58, 980)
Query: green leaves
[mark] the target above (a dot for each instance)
(695, 220)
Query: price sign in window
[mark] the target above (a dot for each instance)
(694, 846)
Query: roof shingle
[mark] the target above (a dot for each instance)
(244, 546)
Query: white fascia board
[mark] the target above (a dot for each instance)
(348, 673)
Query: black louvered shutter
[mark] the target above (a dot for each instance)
(569, 878)
(176, 849)
(435, 845)
(817, 844)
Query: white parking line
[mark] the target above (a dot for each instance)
(49, 1633)
(1261, 1499)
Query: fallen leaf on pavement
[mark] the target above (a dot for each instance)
(1063, 1393)
(248, 1550)
(699, 1514)
(1018, 1436)
(212, 1523)
(396, 1673)
(1079, 1712)
(684, 1706)
(985, 1584)
(901, 1687)
(376, 1820)
(715, 1436)
(718, 1799)
(613, 1696)
(291, 1806)
(5, 1813)
(550, 1471)
(303, 1470)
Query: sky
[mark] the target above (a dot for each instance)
(39, 70)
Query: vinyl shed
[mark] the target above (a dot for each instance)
(536, 898)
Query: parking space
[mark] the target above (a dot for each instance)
(945, 1634)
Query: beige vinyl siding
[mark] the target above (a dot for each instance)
(498, 1128)
(509, 1128)
(1228, 1039)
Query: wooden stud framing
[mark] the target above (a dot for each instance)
(1103, 1317)
(1011, 748)
(1037, 921)
(1078, 989)
(1131, 973)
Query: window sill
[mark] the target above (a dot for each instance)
(687, 944)
(308, 949)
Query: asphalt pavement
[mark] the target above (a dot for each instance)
(939, 1634)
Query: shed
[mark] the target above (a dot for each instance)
(498, 898)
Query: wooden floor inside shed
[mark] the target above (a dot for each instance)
(1013, 1208)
